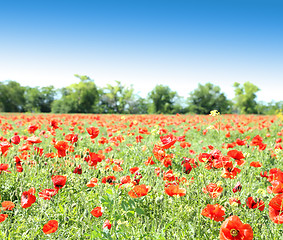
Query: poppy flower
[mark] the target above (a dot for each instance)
(47, 194)
(276, 209)
(109, 179)
(213, 190)
(234, 201)
(238, 156)
(214, 212)
(92, 182)
(78, 170)
(230, 172)
(61, 147)
(168, 140)
(233, 229)
(97, 212)
(93, 132)
(59, 181)
(33, 139)
(28, 198)
(50, 227)
(3, 217)
(237, 188)
(15, 139)
(4, 168)
(139, 191)
(256, 141)
(252, 204)
(187, 168)
(5, 147)
(149, 161)
(7, 205)
(117, 168)
(174, 190)
(277, 187)
(106, 224)
(134, 169)
(169, 176)
(32, 128)
(255, 164)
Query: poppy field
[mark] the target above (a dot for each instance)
(141, 176)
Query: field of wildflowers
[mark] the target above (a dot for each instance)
(141, 177)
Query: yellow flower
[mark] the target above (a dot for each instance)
(214, 113)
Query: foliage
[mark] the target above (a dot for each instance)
(207, 97)
(162, 100)
(39, 99)
(115, 99)
(80, 97)
(245, 96)
(11, 97)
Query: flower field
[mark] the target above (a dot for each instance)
(141, 177)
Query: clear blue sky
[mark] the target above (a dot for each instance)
(178, 43)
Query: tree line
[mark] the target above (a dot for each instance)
(86, 97)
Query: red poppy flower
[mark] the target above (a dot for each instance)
(32, 128)
(187, 168)
(5, 147)
(213, 190)
(276, 209)
(3, 217)
(92, 182)
(61, 147)
(234, 200)
(71, 137)
(252, 204)
(168, 140)
(174, 190)
(15, 139)
(238, 156)
(255, 164)
(233, 229)
(237, 188)
(7, 205)
(47, 194)
(109, 179)
(107, 224)
(4, 168)
(134, 169)
(93, 132)
(50, 227)
(214, 212)
(59, 181)
(149, 161)
(277, 187)
(33, 139)
(78, 170)
(139, 191)
(97, 212)
(28, 198)
(256, 141)
(230, 172)
(169, 176)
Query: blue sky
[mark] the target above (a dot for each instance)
(144, 43)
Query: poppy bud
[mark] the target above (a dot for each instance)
(237, 188)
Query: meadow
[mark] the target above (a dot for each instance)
(78, 176)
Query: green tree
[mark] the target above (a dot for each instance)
(116, 99)
(11, 97)
(39, 99)
(245, 96)
(80, 97)
(162, 100)
(206, 98)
